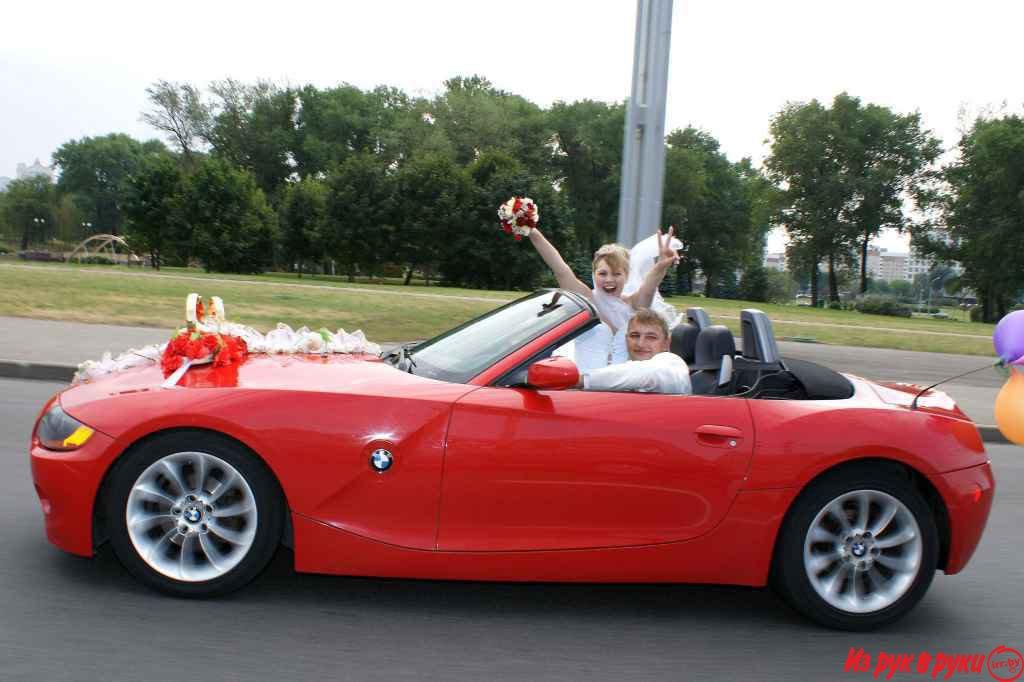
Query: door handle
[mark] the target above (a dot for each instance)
(719, 436)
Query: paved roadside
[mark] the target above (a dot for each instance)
(51, 350)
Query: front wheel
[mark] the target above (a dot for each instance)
(858, 550)
(193, 515)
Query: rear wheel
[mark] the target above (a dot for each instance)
(858, 550)
(193, 514)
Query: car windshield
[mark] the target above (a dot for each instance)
(462, 353)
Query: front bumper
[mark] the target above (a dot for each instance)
(66, 483)
(968, 496)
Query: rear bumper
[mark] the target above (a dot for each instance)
(66, 483)
(968, 496)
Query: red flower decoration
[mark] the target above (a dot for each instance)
(194, 345)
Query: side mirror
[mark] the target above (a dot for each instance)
(553, 374)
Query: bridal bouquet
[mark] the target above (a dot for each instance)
(518, 216)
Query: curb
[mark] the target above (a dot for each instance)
(36, 371)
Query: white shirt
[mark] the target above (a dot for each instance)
(664, 373)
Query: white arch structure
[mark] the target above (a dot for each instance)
(104, 245)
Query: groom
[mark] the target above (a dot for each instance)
(651, 367)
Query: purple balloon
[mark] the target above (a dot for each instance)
(1009, 338)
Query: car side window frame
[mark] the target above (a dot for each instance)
(506, 379)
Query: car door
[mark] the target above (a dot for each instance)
(540, 470)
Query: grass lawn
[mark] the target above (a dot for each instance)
(391, 312)
(61, 293)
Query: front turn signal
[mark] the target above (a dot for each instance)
(57, 430)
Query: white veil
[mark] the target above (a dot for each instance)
(642, 258)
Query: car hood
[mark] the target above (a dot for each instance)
(336, 373)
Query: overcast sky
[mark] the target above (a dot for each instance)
(72, 69)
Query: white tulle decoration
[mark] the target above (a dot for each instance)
(282, 339)
(135, 357)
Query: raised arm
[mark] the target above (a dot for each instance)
(562, 272)
(667, 257)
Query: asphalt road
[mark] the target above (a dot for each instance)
(66, 618)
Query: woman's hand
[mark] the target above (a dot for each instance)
(667, 256)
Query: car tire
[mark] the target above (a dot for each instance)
(193, 514)
(858, 549)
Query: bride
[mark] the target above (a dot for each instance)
(623, 281)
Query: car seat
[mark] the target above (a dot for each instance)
(713, 361)
(684, 341)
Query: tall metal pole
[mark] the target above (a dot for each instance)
(643, 146)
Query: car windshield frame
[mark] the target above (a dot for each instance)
(445, 357)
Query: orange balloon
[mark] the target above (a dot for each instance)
(1010, 407)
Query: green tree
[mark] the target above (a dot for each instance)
(96, 171)
(433, 200)
(331, 125)
(780, 286)
(361, 213)
(178, 110)
(847, 170)
(477, 253)
(980, 221)
(303, 221)
(902, 289)
(709, 201)
(29, 207)
(252, 126)
(477, 117)
(885, 154)
(153, 208)
(588, 164)
(233, 229)
(806, 159)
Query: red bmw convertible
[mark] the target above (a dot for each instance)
(471, 456)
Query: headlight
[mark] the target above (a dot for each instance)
(59, 431)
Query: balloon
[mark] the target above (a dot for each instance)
(1009, 337)
(1010, 408)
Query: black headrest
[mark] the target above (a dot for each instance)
(712, 343)
(698, 317)
(684, 341)
(758, 337)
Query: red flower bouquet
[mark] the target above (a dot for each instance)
(518, 216)
(202, 347)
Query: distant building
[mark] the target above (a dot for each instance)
(36, 169)
(893, 265)
(775, 261)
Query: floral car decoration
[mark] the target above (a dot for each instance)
(192, 346)
(209, 337)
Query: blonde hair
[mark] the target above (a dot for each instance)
(648, 318)
(616, 255)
